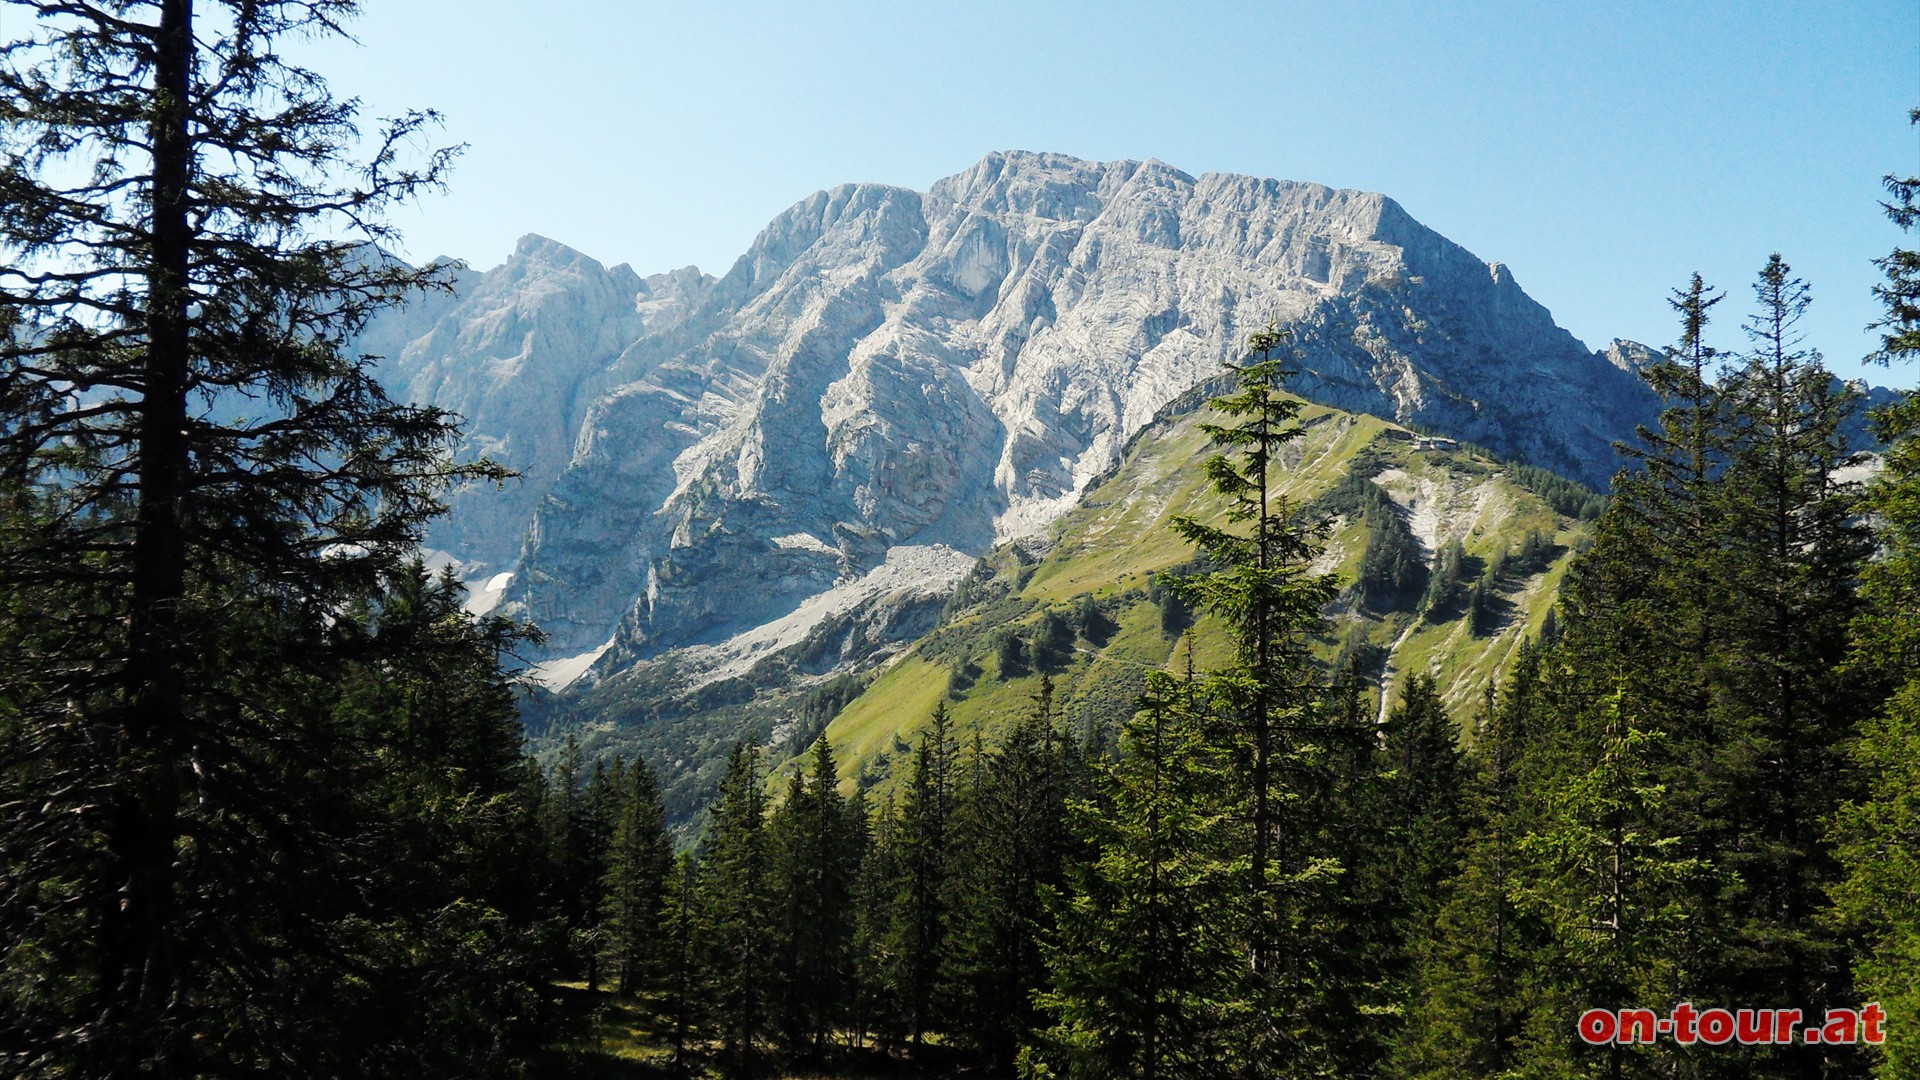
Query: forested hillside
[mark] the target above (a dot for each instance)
(1305, 745)
(1449, 559)
(1689, 785)
(1446, 563)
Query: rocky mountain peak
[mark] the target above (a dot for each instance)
(887, 382)
(1052, 187)
(1630, 355)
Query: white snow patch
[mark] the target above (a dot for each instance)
(805, 542)
(556, 674)
(483, 598)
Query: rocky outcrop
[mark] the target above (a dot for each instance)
(887, 370)
(520, 353)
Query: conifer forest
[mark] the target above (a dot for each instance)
(269, 806)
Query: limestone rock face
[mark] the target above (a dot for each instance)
(520, 352)
(888, 371)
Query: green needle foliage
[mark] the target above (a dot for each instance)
(1237, 978)
(252, 756)
(1270, 708)
(1010, 848)
(1468, 996)
(1147, 969)
(1608, 882)
(736, 897)
(817, 846)
(921, 848)
(639, 864)
(1879, 832)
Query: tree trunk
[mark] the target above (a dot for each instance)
(144, 977)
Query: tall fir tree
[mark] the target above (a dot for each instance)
(1712, 608)
(1426, 778)
(918, 934)
(1879, 831)
(1010, 847)
(573, 822)
(816, 850)
(1271, 704)
(638, 867)
(877, 1005)
(687, 988)
(1608, 877)
(587, 885)
(1147, 970)
(1402, 824)
(208, 502)
(1353, 925)
(1468, 997)
(1782, 711)
(737, 909)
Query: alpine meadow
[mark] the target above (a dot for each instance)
(1074, 620)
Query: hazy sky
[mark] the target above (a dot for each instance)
(1602, 150)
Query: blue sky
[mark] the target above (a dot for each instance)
(1603, 151)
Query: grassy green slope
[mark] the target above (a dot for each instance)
(1093, 579)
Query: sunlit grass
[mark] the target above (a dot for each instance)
(1120, 536)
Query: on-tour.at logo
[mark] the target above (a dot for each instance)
(1688, 1026)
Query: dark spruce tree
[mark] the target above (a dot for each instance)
(1782, 710)
(1879, 830)
(916, 939)
(1421, 816)
(1271, 708)
(876, 1011)
(577, 818)
(234, 844)
(736, 910)
(1010, 845)
(1692, 718)
(452, 911)
(1146, 970)
(817, 847)
(1608, 879)
(1354, 922)
(639, 864)
(1467, 999)
(686, 991)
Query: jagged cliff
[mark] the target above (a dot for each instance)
(890, 381)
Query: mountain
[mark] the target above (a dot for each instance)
(521, 353)
(762, 482)
(1079, 602)
(888, 382)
